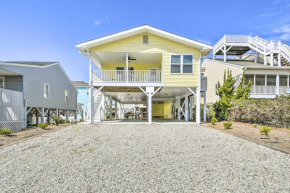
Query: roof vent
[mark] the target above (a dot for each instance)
(145, 39)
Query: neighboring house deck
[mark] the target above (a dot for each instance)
(144, 65)
(267, 68)
(46, 88)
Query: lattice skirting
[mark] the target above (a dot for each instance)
(14, 126)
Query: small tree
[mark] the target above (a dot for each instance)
(243, 91)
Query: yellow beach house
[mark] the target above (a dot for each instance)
(145, 66)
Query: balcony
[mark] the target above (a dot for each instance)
(127, 78)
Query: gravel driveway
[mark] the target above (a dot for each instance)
(142, 158)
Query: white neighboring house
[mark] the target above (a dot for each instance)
(267, 65)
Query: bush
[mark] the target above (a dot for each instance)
(213, 119)
(67, 121)
(227, 124)
(56, 120)
(82, 120)
(42, 125)
(271, 112)
(255, 125)
(5, 131)
(265, 130)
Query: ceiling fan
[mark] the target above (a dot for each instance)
(129, 58)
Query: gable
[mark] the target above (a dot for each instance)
(155, 44)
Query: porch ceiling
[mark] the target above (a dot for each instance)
(139, 96)
(120, 57)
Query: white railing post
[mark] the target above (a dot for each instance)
(277, 84)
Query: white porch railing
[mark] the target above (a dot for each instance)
(131, 76)
(263, 90)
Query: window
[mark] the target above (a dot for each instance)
(182, 64)
(46, 91)
(1, 82)
(260, 80)
(283, 80)
(271, 80)
(145, 39)
(66, 96)
(249, 77)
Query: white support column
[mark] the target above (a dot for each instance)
(204, 107)
(225, 53)
(116, 110)
(277, 84)
(127, 67)
(178, 108)
(197, 105)
(279, 59)
(42, 115)
(190, 107)
(111, 107)
(271, 59)
(92, 105)
(149, 108)
(213, 56)
(186, 107)
(265, 60)
(256, 56)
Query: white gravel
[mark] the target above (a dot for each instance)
(142, 158)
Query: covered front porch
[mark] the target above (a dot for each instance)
(127, 69)
(268, 85)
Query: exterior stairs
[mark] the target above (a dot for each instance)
(238, 45)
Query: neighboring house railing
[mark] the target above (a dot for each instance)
(131, 76)
(263, 90)
(11, 109)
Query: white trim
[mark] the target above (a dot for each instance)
(66, 94)
(45, 84)
(126, 84)
(3, 85)
(139, 30)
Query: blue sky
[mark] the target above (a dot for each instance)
(48, 30)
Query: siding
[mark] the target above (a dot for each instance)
(167, 110)
(33, 85)
(157, 110)
(112, 66)
(215, 72)
(158, 45)
(13, 83)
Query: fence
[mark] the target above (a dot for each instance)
(11, 110)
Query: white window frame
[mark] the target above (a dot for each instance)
(48, 97)
(3, 81)
(66, 94)
(181, 63)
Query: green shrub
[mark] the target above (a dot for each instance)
(265, 130)
(67, 121)
(213, 119)
(56, 120)
(42, 125)
(82, 120)
(5, 131)
(227, 124)
(255, 125)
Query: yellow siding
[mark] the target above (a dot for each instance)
(167, 110)
(157, 110)
(158, 45)
(112, 66)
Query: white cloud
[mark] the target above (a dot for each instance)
(282, 29)
(285, 37)
(97, 22)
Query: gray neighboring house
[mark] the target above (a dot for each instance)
(47, 90)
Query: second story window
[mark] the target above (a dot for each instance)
(46, 91)
(1, 82)
(66, 96)
(182, 64)
(145, 39)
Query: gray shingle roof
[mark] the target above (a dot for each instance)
(80, 84)
(30, 63)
